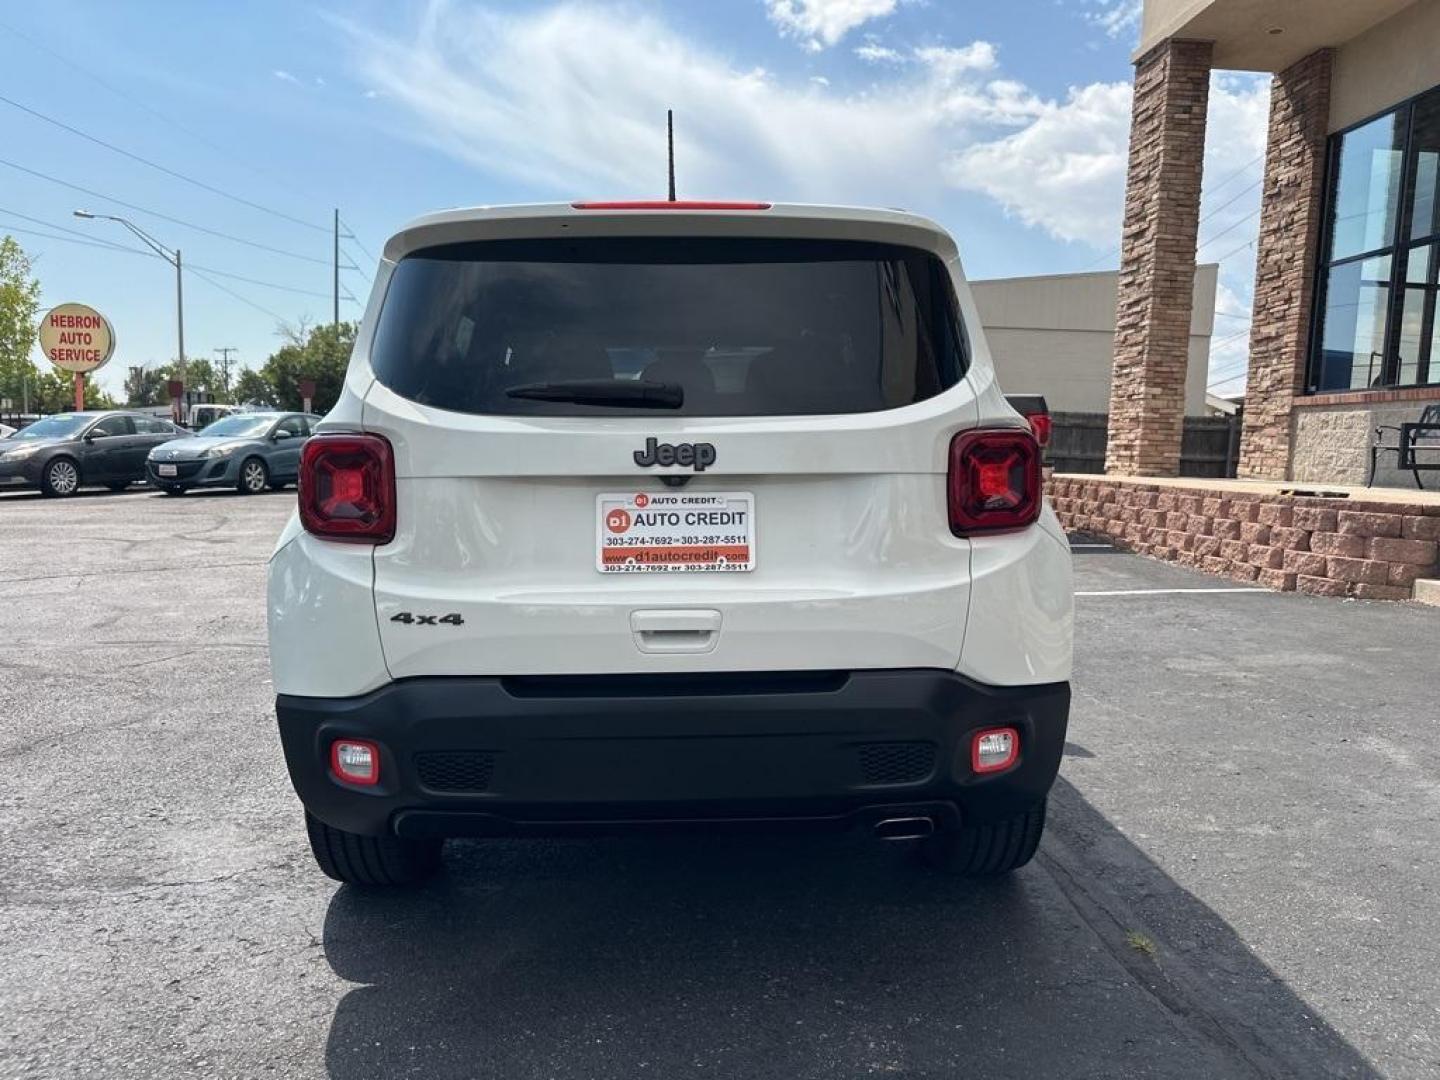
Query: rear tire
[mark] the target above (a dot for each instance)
(371, 860)
(254, 476)
(989, 849)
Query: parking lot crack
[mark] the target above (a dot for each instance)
(1178, 989)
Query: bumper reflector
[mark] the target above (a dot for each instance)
(994, 749)
(355, 761)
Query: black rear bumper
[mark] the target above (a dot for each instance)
(555, 755)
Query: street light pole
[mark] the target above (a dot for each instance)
(173, 258)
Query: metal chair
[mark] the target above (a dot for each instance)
(1423, 434)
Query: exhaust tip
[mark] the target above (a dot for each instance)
(904, 828)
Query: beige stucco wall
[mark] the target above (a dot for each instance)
(1388, 63)
(1055, 335)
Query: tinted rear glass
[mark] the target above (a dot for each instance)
(745, 327)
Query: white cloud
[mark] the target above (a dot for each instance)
(1064, 171)
(950, 62)
(1117, 17)
(873, 53)
(818, 24)
(572, 99)
(284, 76)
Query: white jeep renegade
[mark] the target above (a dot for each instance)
(670, 515)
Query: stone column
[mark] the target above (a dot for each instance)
(1157, 259)
(1290, 210)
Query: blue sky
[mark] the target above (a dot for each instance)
(1006, 121)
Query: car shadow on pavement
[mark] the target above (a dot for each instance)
(794, 957)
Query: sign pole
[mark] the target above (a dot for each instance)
(79, 391)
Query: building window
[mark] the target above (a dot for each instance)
(1378, 284)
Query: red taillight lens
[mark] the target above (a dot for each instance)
(1040, 424)
(347, 488)
(994, 482)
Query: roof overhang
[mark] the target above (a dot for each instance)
(1262, 35)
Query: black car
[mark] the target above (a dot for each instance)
(62, 453)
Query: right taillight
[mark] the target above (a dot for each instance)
(347, 488)
(1041, 425)
(994, 482)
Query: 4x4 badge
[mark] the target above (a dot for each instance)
(701, 454)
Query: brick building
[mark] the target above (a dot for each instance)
(1345, 332)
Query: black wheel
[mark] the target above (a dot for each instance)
(253, 477)
(173, 491)
(118, 485)
(986, 850)
(371, 860)
(60, 478)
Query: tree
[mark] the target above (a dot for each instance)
(19, 305)
(146, 386)
(320, 353)
(252, 388)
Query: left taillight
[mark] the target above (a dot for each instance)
(347, 488)
(994, 483)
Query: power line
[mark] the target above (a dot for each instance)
(84, 70)
(1235, 250)
(1237, 173)
(208, 269)
(104, 245)
(1232, 337)
(1240, 195)
(1232, 315)
(1229, 229)
(1232, 378)
(1241, 171)
(350, 234)
(86, 238)
(257, 281)
(163, 217)
(226, 289)
(160, 168)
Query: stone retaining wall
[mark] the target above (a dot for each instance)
(1327, 547)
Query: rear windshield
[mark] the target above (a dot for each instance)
(740, 327)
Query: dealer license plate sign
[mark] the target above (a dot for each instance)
(649, 533)
(166, 470)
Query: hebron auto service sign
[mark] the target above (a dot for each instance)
(76, 338)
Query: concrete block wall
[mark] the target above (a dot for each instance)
(1326, 547)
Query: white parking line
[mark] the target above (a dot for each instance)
(1089, 547)
(1162, 592)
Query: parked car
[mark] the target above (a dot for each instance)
(247, 451)
(62, 453)
(6, 431)
(671, 515)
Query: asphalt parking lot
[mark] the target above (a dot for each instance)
(1241, 876)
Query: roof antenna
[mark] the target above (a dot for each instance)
(670, 138)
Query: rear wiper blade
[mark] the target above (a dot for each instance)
(633, 393)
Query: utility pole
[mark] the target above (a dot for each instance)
(180, 316)
(225, 351)
(336, 319)
(173, 258)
